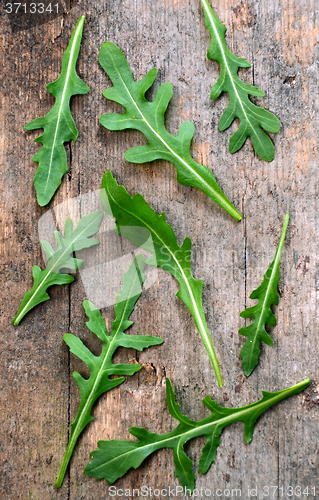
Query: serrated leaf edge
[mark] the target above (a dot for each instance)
(207, 8)
(109, 342)
(202, 428)
(275, 268)
(203, 329)
(68, 249)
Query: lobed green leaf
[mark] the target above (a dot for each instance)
(136, 221)
(261, 313)
(58, 125)
(115, 458)
(74, 240)
(148, 118)
(253, 119)
(101, 367)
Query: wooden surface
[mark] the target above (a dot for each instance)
(39, 398)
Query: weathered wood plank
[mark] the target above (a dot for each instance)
(34, 406)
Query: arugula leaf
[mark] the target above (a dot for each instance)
(132, 214)
(253, 119)
(58, 124)
(261, 313)
(148, 118)
(74, 240)
(101, 367)
(114, 458)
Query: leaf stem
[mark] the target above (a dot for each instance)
(20, 315)
(282, 239)
(85, 412)
(208, 343)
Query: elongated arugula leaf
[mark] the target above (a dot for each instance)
(253, 119)
(132, 214)
(101, 367)
(261, 313)
(148, 117)
(74, 240)
(114, 458)
(58, 125)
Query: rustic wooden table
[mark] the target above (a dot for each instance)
(39, 398)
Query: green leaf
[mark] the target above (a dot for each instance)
(148, 118)
(115, 458)
(74, 240)
(253, 119)
(58, 125)
(144, 228)
(261, 313)
(101, 367)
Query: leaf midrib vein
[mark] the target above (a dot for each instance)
(73, 47)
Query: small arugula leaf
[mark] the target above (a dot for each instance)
(74, 240)
(253, 119)
(58, 125)
(114, 458)
(133, 216)
(148, 118)
(101, 367)
(261, 313)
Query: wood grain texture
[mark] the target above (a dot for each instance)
(38, 396)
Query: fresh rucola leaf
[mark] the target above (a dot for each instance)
(136, 221)
(148, 118)
(114, 458)
(254, 120)
(261, 313)
(58, 125)
(74, 240)
(101, 367)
